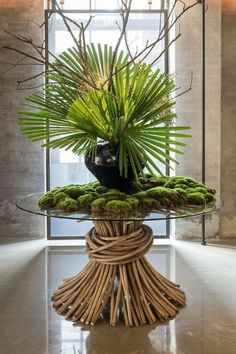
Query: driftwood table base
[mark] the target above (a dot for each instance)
(118, 281)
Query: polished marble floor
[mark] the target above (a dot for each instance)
(30, 271)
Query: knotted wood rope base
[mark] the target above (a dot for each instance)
(118, 281)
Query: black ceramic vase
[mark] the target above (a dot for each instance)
(105, 167)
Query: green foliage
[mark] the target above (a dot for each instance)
(74, 192)
(140, 195)
(101, 189)
(161, 192)
(196, 198)
(85, 200)
(119, 206)
(182, 197)
(114, 195)
(115, 201)
(182, 186)
(150, 204)
(182, 181)
(169, 184)
(202, 190)
(46, 201)
(67, 204)
(181, 191)
(98, 204)
(159, 181)
(211, 190)
(209, 197)
(59, 195)
(133, 202)
(133, 113)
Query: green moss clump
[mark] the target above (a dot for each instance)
(148, 193)
(147, 186)
(190, 180)
(74, 192)
(149, 203)
(84, 201)
(46, 201)
(181, 180)
(211, 190)
(95, 194)
(113, 190)
(181, 191)
(96, 184)
(59, 196)
(181, 196)
(202, 190)
(182, 186)
(162, 192)
(101, 189)
(98, 204)
(196, 198)
(191, 190)
(159, 181)
(118, 206)
(57, 189)
(169, 184)
(210, 197)
(140, 195)
(133, 202)
(89, 190)
(110, 195)
(68, 204)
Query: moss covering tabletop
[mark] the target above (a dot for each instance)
(147, 194)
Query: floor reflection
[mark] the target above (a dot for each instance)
(29, 272)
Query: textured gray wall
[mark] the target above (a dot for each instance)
(21, 162)
(228, 123)
(188, 58)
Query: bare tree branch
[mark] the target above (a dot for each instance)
(67, 25)
(188, 89)
(19, 82)
(23, 53)
(148, 48)
(12, 65)
(125, 22)
(29, 88)
(165, 49)
(67, 74)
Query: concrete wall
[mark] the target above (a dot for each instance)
(228, 122)
(187, 60)
(21, 162)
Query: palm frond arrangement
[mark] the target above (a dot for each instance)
(99, 101)
(79, 110)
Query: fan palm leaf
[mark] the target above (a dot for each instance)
(76, 111)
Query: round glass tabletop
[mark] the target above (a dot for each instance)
(29, 203)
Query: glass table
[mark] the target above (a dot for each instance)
(118, 282)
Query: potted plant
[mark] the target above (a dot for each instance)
(119, 125)
(106, 104)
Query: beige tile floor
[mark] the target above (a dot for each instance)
(30, 271)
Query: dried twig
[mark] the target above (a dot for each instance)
(54, 64)
(149, 47)
(126, 8)
(188, 89)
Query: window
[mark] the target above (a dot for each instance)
(63, 166)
